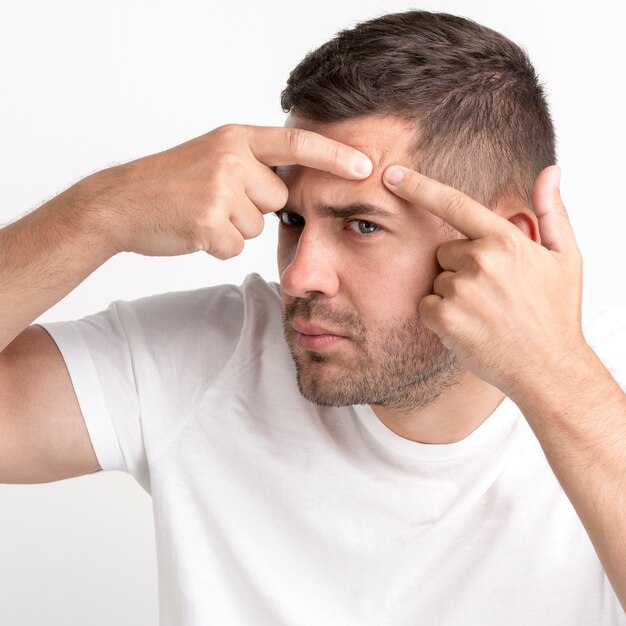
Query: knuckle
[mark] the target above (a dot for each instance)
(226, 162)
(229, 132)
(510, 244)
(193, 244)
(339, 154)
(440, 283)
(426, 310)
(258, 226)
(269, 195)
(210, 222)
(445, 316)
(238, 246)
(482, 257)
(444, 252)
(220, 198)
(451, 286)
(252, 225)
(226, 246)
(437, 283)
(477, 256)
(219, 253)
(297, 141)
(456, 289)
(454, 205)
(234, 247)
(483, 262)
(281, 195)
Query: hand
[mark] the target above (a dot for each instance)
(209, 193)
(508, 307)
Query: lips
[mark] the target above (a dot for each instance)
(315, 337)
(307, 328)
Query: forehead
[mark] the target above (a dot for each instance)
(384, 139)
(377, 134)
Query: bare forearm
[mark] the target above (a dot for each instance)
(183, 200)
(578, 413)
(46, 254)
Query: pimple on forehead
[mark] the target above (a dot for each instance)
(382, 154)
(384, 138)
(384, 144)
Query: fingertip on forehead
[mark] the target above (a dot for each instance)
(376, 136)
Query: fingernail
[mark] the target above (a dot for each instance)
(362, 165)
(394, 175)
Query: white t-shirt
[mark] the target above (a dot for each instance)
(270, 510)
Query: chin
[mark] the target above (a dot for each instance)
(326, 384)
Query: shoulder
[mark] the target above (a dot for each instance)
(200, 324)
(225, 305)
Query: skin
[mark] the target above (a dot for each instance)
(350, 277)
(506, 303)
(208, 194)
(511, 311)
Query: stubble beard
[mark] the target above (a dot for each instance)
(401, 365)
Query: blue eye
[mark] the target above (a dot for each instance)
(287, 218)
(364, 227)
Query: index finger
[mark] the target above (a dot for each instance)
(276, 145)
(469, 217)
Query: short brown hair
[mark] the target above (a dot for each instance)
(482, 120)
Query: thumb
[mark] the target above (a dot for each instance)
(555, 229)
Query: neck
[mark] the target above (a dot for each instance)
(451, 417)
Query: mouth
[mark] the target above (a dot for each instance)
(311, 336)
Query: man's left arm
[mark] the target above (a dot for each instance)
(510, 309)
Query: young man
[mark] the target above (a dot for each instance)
(448, 447)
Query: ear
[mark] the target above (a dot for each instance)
(521, 216)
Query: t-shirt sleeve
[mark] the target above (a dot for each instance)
(139, 367)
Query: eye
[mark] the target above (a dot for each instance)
(287, 218)
(363, 227)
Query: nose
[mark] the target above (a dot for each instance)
(311, 270)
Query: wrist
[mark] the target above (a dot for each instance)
(557, 379)
(89, 207)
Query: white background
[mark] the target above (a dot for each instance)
(86, 85)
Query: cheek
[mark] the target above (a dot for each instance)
(393, 293)
(399, 283)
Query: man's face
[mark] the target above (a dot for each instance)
(355, 260)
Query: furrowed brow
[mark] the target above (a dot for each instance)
(349, 210)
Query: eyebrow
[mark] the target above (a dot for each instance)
(347, 210)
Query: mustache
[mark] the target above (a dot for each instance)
(314, 308)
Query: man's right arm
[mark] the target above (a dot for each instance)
(208, 194)
(43, 256)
